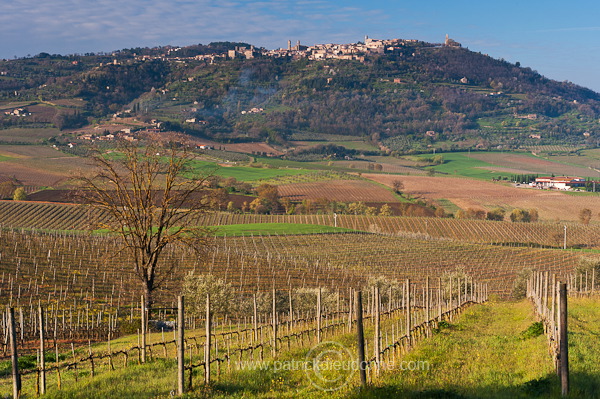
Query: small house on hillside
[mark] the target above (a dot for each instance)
(559, 182)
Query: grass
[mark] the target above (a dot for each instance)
(457, 163)
(448, 205)
(276, 228)
(242, 173)
(155, 379)
(483, 354)
(467, 165)
(493, 350)
(584, 351)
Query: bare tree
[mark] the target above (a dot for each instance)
(152, 201)
(398, 186)
(585, 215)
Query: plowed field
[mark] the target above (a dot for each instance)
(467, 193)
(338, 190)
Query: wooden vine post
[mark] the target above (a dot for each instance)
(14, 357)
(144, 324)
(255, 318)
(427, 300)
(360, 335)
(208, 343)
(563, 343)
(377, 337)
(407, 304)
(274, 321)
(319, 315)
(180, 346)
(440, 300)
(42, 327)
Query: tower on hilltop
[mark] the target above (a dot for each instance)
(451, 42)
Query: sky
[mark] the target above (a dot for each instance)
(559, 39)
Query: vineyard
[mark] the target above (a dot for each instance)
(292, 293)
(61, 268)
(46, 216)
(89, 294)
(62, 217)
(474, 231)
(338, 190)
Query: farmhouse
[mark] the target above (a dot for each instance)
(559, 182)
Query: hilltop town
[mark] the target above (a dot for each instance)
(351, 51)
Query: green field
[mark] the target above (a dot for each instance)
(242, 173)
(460, 164)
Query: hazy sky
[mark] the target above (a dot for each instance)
(559, 39)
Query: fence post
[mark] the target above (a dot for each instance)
(291, 313)
(144, 323)
(274, 323)
(440, 299)
(42, 350)
(377, 343)
(545, 298)
(319, 315)
(350, 309)
(427, 300)
(14, 357)
(208, 343)
(180, 346)
(360, 335)
(408, 326)
(255, 319)
(564, 341)
(451, 298)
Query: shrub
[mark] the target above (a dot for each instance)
(520, 285)
(195, 288)
(20, 194)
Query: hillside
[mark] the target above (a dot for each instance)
(409, 97)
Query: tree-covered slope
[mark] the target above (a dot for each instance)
(411, 98)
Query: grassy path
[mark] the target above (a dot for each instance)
(483, 354)
(584, 347)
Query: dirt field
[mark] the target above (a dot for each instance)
(387, 167)
(249, 148)
(524, 164)
(21, 135)
(38, 166)
(466, 193)
(338, 190)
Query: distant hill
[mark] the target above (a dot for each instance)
(409, 98)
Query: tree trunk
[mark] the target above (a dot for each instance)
(148, 295)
